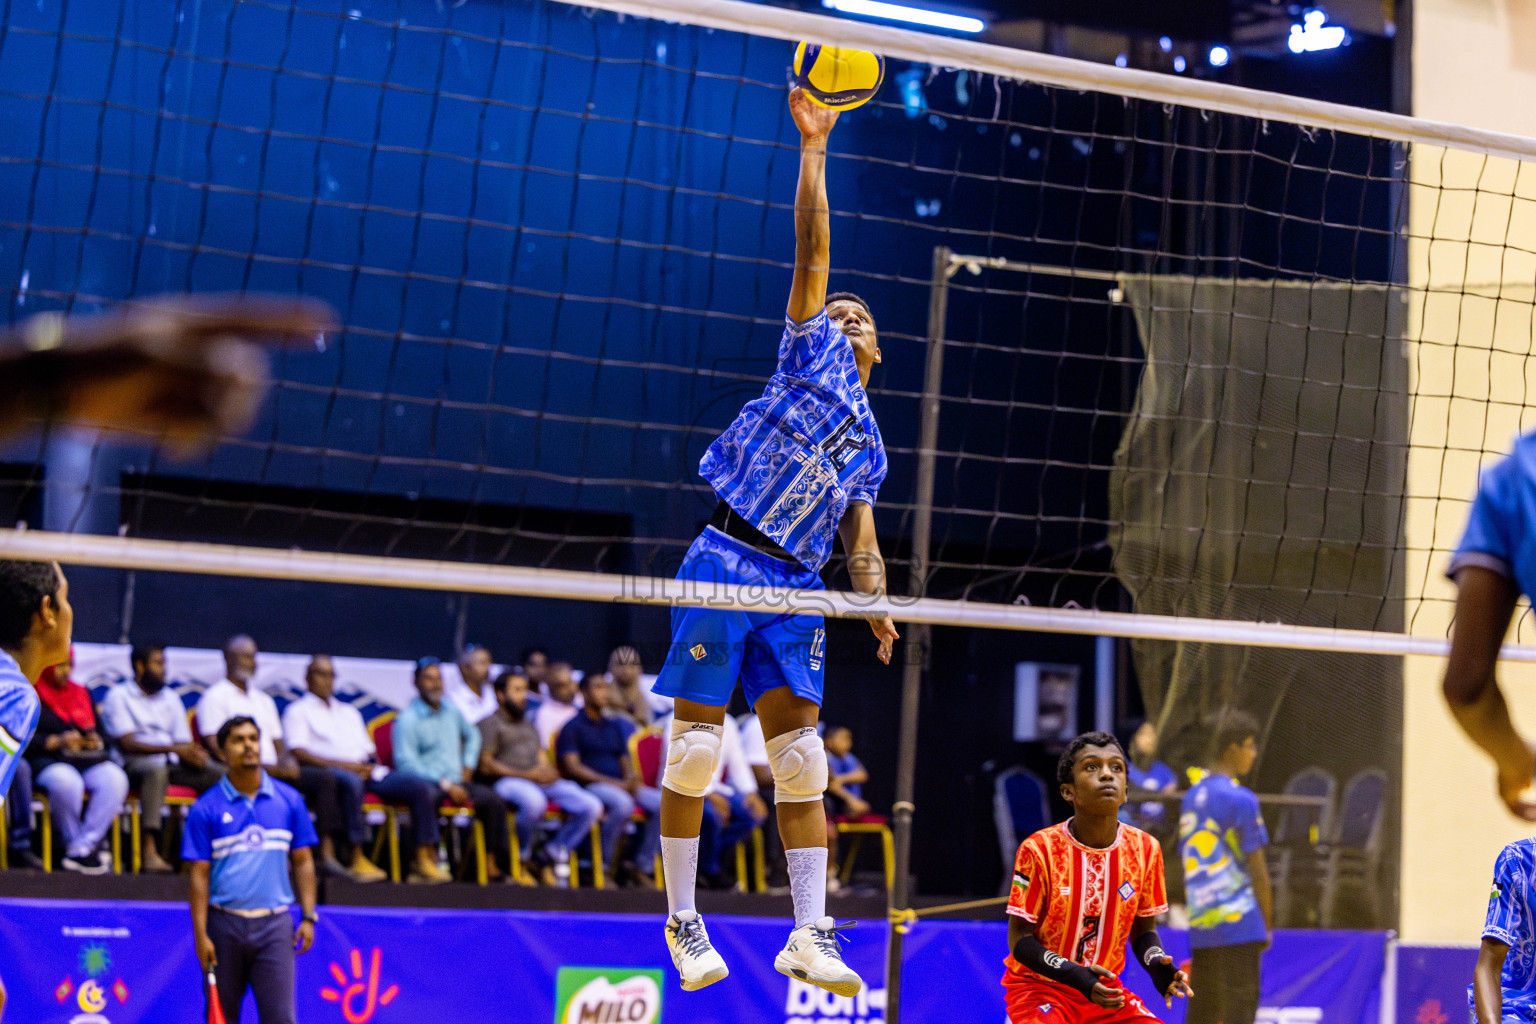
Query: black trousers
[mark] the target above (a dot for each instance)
(1226, 984)
(254, 953)
(318, 785)
(491, 809)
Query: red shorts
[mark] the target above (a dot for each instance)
(1037, 1001)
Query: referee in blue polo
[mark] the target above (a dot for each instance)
(241, 837)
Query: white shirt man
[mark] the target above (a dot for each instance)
(475, 707)
(157, 719)
(331, 729)
(224, 700)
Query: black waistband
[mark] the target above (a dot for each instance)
(730, 523)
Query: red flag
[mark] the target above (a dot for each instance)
(215, 1011)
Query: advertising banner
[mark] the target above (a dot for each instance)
(1432, 984)
(1308, 977)
(123, 963)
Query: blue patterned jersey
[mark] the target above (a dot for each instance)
(1501, 527)
(18, 718)
(794, 458)
(1219, 829)
(1509, 922)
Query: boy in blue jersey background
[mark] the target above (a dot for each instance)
(1493, 566)
(1226, 882)
(1147, 773)
(1504, 984)
(800, 465)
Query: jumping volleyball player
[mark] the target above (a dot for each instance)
(1081, 891)
(798, 464)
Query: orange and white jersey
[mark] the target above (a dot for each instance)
(1083, 901)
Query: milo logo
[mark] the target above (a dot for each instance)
(607, 995)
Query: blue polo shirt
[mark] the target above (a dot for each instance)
(247, 840)
(599, 744)
(845, 765)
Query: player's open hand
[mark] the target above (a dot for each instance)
(1180, 986)
(188, 368)
(1107, 991)
(885, 630)
(814, 122)
(1517, 788)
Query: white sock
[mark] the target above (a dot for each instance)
(680, 866)
(808, 883)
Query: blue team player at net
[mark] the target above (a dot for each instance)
(1504, 984)
(801, 464)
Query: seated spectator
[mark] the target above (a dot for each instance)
(433, 742)
(149, 724)
(630, 697)
(560, 704)
(472, 693)
(234, 695)
(845, 774)
(845, 792)
(328, 735)
(1146, 772)
(514, 762)
(594, 750)
(755, 749)
(69, 759)
(732, 809)
(535, 665)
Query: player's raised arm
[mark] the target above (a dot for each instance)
(813, 229)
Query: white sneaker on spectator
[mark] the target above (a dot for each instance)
(91, 863)
(812, 955)
(696, 960)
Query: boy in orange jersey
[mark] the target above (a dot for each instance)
(1081, 891)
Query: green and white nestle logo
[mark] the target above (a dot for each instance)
(607, 995)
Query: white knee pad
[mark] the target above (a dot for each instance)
(799, 765)
(693, 757)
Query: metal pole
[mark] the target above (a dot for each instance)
(916, 646)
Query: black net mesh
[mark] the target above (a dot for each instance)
(560, 243)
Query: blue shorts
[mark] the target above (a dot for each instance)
(712, 648)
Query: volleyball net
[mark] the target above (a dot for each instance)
(1162, 359)
(1191, 350)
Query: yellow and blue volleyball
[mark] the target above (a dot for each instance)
(838, 78)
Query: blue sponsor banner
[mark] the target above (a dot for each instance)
(1307, 977)
(120, 963)
(1432, 984)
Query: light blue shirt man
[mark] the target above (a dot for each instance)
(435, 745)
